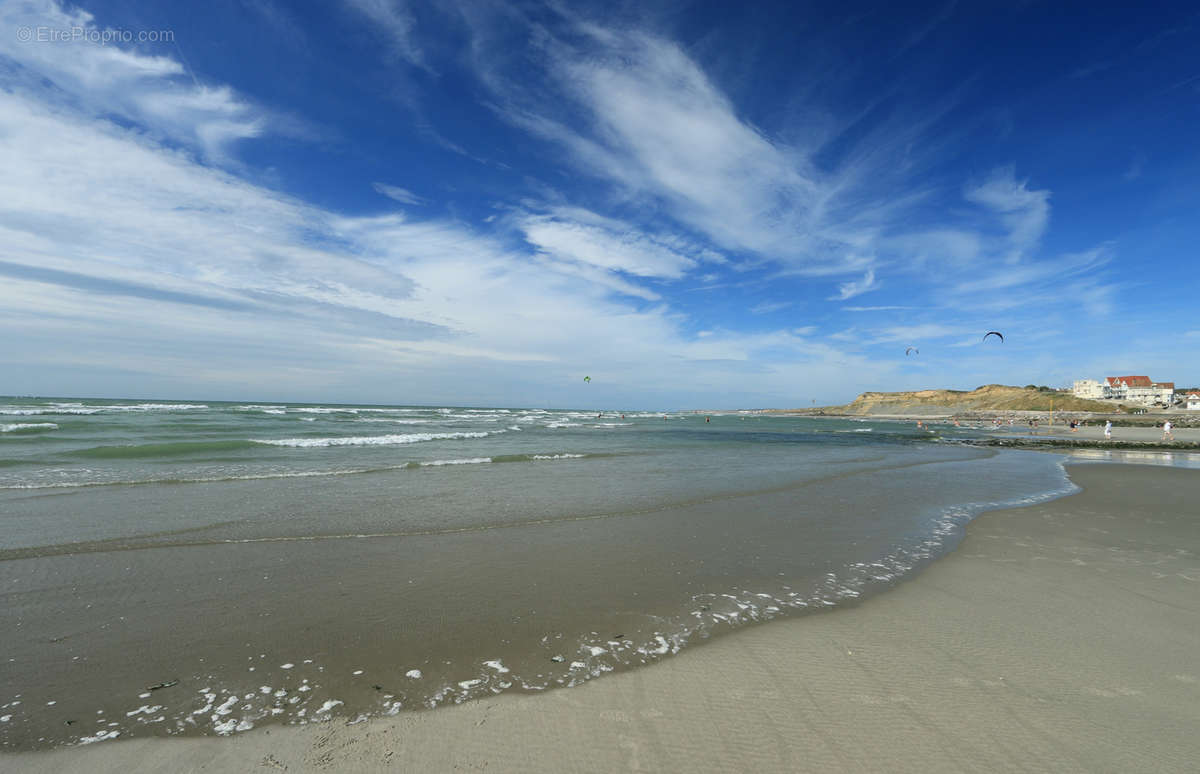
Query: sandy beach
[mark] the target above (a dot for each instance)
(1095, 431)
(1061, 636)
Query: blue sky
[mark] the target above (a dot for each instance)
(704, 204)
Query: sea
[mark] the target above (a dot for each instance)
(207, 568)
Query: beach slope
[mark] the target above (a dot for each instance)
(1059, 637)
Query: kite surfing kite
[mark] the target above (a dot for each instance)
(587, 379)
(997, 334)
(911, 349)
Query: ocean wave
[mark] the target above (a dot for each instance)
(155, 407)
(351, 410)
(29, 412)
(439, 463)
(150, 450)
(502, 458)
(84, 409)
(371, 440)
(28, 427)
(498, 458)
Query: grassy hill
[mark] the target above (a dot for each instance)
(990, 397)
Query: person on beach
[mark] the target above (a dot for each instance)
(1167, 435)
(1108, 430)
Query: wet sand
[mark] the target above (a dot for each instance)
(1095, 431)
(1062, 636)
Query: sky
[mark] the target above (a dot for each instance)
(700, 204)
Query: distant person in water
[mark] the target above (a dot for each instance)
(1108, 430)
(1167, 436)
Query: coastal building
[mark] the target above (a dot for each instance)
(1162, 394)
(1140, 390)
(1193, 401)
(1137, 388)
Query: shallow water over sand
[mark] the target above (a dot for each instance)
(331, 561)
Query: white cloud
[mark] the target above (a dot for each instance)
(1052, 272)
(953, 246)
(599, 245)
(395, 20)
(105, 78)
(856, 288)
(122, 247)
(886, 308)
(914, 333)
(122, 254)
(1025, 212)
(654, 125)
(766, 307)
(402, 195)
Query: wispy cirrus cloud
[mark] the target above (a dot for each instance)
(884, 308)
(396, 24)
(396, 193)
(1052, 271)
(645, 173)
(579, 236)
(1025, 212)
(914, 333)
(154, 256)
(153, 91)
(637, 111)
(767, 307)
(648, 120)
(854, 288)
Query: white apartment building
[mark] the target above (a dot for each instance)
(1090, 389)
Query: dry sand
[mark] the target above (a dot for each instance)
(1060, 637)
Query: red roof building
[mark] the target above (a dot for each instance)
(1130, 381)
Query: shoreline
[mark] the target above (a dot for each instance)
(1061, 635)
